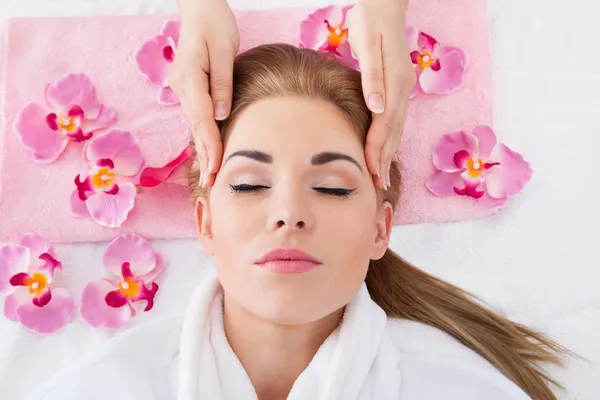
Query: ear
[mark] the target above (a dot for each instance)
(384, 228)
(203, 225)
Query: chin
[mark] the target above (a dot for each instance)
(291, 299)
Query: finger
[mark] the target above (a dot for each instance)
(370, 59)
(399, 78)
(221, 80)
(387, 155)
(198, 107)
(202, 160)
(376, 138)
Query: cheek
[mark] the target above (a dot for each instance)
(235, 227)
(350, 229)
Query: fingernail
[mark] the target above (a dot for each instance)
(376, 103)
(202, 175)
(220, 110)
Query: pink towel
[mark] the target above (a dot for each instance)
(35, 198)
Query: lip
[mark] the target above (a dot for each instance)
(288, 261)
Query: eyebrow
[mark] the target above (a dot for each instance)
(318, 159)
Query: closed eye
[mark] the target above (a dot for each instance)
(244, 188)
(338, 192)
(335, 191)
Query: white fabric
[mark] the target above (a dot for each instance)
(537, 261)
(366, 358)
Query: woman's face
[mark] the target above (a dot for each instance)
(293, 177)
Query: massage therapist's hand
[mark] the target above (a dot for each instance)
(202, 74)
(377, 35)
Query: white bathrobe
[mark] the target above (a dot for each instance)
(369, 357)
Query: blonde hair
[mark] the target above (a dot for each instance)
(399, 288)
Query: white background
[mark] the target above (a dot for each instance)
(538, 261)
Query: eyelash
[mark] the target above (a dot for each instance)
(338, 192)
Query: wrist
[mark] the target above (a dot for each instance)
(193, 9)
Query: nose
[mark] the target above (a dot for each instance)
(289, 210)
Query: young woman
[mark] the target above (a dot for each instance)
(306, 300)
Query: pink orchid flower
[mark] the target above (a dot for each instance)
(27, 275)
(440, 69)
(107, 193)
(133, 266)
(476, 165)
(75, 114)
(154, 59)
(325, 30)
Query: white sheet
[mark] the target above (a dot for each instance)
(537, 261)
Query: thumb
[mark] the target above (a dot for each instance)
(221, 82)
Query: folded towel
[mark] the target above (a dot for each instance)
(35, 198)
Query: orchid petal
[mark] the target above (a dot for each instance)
(146, 294)
(34, 134)
(112, 210)
(448, 79)
(426, 42)
(120, 147)
(470, 189)
(85, 189)
(151, 62)
(412, 37)
(416, 90)
(171, 28)
(161, 263)
(96, 312)
(43, 299)
(50, 318)
(460, 159)
(50, 264)
(106, 118)
(116, 299)
(35, 244)
(451, 49)
(510, 177)
(74, 90)
(486, 139)
(13, 301)
(450, 144)
(152, 177)
(20, 279)
(443, 184)
(346, 57)
(13, 260)
(167, 97)
(132, 249)
(77, 206)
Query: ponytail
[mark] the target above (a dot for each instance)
(404, 291)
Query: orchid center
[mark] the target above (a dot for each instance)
(103, 179)
(425, 60)
(129, 288)
(475, 168)
(67, 124)
(38, 283)
(336, 36)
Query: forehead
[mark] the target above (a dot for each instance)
(299, 123)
